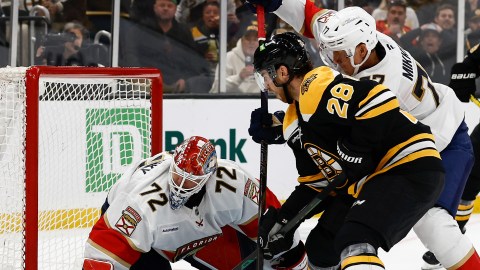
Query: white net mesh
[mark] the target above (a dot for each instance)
(90, 130)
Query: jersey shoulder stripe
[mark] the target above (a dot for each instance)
(377, 103)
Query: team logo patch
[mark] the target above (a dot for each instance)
(251, 191)
(324, 17)
(128, 221)
(306, 83)
(194, 246)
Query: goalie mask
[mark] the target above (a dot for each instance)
(194, 162)
(344, 31)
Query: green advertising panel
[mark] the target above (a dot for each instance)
(115, 139)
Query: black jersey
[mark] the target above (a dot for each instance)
(333, 106)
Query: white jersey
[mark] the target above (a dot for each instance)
(433, 104)
(140, 211)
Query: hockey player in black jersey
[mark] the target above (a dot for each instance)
(338, 125)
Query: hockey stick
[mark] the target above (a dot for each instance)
(292, 223)
(263, 145)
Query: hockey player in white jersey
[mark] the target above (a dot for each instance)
(185, 205)
(349, 43)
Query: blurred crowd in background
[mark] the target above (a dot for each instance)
(182, 37)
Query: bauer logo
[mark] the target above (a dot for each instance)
(115, 139)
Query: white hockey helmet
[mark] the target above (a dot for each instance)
(194, 162)
(344, 31)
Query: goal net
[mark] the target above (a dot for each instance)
(66, 135)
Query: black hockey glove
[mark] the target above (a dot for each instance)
(268, 5)
(271, 242)
(266, 126)
(356, 161)
(462, 80)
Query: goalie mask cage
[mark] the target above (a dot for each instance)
(66, 135)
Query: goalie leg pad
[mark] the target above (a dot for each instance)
(440, 234)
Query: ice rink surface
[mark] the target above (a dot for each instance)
(406, 255)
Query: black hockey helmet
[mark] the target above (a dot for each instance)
(286, 49)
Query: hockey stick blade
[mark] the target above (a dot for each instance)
(247, 260)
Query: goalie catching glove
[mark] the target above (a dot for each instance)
(272, 242)
(267, 127)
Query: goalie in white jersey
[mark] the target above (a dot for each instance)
(183, 206)
(349, 43)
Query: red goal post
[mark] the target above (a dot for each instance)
(66, 135)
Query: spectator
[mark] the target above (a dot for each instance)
(239, 70)
(62, 11)
(158, 40)
(394, 25)
(445, 18)
(64, 49)
(380, 13)
(427, 51)
(472, 33)
(205, 34)
(55, 10)
(366, 5)
(190, 11)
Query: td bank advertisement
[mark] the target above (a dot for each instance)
(108, 151)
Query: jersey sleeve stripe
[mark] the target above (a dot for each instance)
(312, 12)
(250, 227)
(113, 243)
(374, 92)
(378, 109)
(411, 157)
(319, 177)
(403, 149)
(377, 96)
(411, 149)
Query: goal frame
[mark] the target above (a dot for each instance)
(32, 78)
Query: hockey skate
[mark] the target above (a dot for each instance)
(430, 262)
